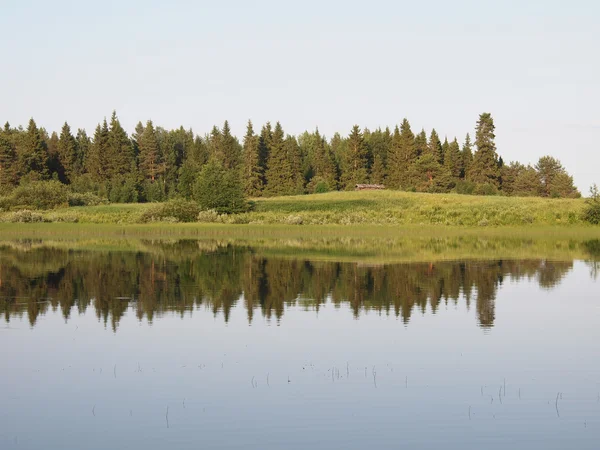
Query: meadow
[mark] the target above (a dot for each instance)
(392, 208)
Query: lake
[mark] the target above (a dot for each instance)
(228, 344)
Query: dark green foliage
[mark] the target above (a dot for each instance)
(279, 174)
(219, 189)
(555, 182)
(67, 153)
(484, 168)
(39, 195)
(8, 159)
(252, 170)
(154, 164)
(403, 154)
(591, 213)
(356, 160)
(32, 154)
(177, 209)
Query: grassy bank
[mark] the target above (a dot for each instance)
(360, 208)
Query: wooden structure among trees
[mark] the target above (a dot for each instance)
(369, 187)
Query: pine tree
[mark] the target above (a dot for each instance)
(149, 157)
(356, 166)
(83, 146)
(421, 143)
(55, 168)
(484, 169)
(554, 179)
(67, 153)
(279, 171)
(253, 172)
(295, 185)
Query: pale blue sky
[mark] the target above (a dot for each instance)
(534, 64)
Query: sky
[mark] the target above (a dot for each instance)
(533, 64)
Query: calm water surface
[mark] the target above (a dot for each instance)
(228, 347)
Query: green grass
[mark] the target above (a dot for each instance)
(389, 208)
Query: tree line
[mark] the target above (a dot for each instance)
(155, 164)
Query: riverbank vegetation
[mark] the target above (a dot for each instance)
(390, 208)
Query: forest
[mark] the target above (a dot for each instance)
(154, 164)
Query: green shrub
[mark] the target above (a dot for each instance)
(40, 195)
(219, 189)
(178, 210)
(465, 187)
(86, 199)
(486, 189)
(591, 214)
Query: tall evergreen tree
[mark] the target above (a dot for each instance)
(149, 157)
(230, 148)
(279, 171)
(434, 147)
(421, 143)
(33, 154)
(8, 158)
(484, 169)
(402, 156)
(324, 161)
(356, 166)
(467, 155)
(119, 152)
(83, 146)
(253, 171)
(96, 159)
(453, 160)
(67, 152)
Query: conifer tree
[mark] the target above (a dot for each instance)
(484, 169)
(67, 153)
(230, 148)
(55, 168)
(356, 165)
(8, 157)
(119, 152)
(467, 155)
(554, 179)
(33, 153)
(149, 157)
(453, 160)
(378, 174)
(96, 159)
(402, 157)
(83, 146)
(279, 171)
(253, 172)
(324, 161)
(421, 143)
(434, 147)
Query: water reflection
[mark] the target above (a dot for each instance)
(186, 275)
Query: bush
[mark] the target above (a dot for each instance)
(465, 187)
(40, 195)
(591, 214)
(208, 216)
(87, 199)
(219, 189)
(173, 210)
(486, 189)
(25, 216)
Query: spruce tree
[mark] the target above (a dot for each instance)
(230, 149)
(83, 146)
(467, 155)
(279, 171)
(119, 152)
(33, 154)
(96, 160)
(324, 161)
(67, 153)
(356, 164)
(149, 157)
(554, 179)
(453, 160)
(253, 172)
(434, 147)
(378, 174)
(484, 169)
(8, 157)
